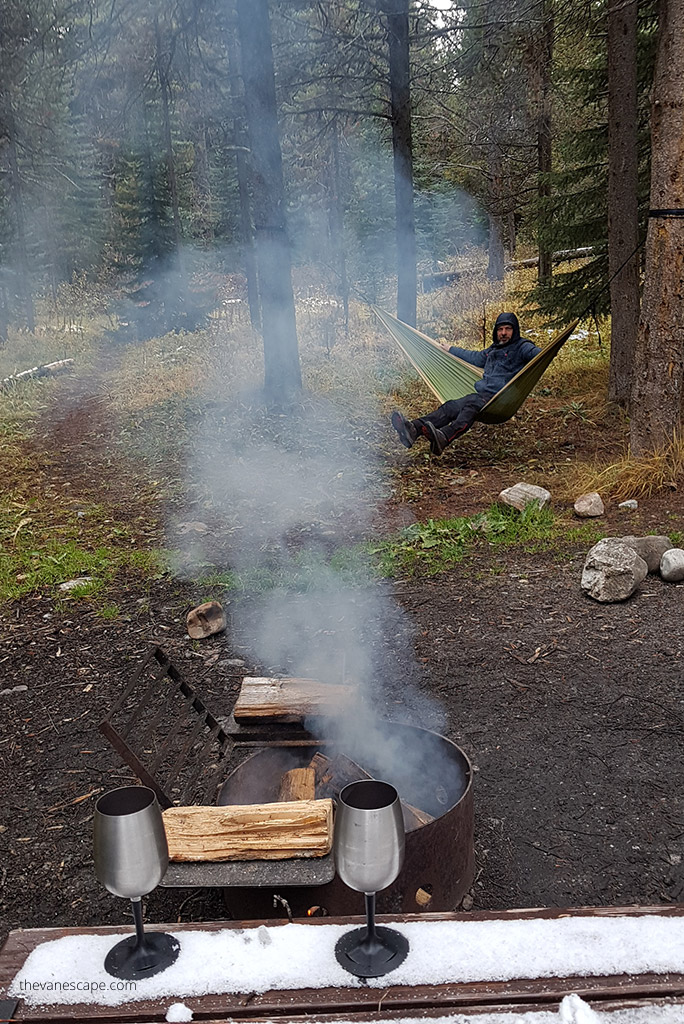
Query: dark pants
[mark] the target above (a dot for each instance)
(455, 417)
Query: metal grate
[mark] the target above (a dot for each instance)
(166, 734)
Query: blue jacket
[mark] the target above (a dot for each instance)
(500, 362)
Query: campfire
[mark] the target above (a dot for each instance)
(267, 835)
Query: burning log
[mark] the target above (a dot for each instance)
(300, 828)
(334, 773)
(263, 698)
(298, 784)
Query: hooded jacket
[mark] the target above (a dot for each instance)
(499, 362)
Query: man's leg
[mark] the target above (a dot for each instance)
(451, 420)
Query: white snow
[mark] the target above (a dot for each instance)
(291, 956)
(178, 1012)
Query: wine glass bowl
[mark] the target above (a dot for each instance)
(369, 842)
(131, 858)
(131, 852)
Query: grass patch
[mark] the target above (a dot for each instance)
(38, 554)
(631, 476)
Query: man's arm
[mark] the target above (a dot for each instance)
(529, 351)
(474, 358)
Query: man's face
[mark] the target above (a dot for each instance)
(504, 334)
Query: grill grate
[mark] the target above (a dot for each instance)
(167, 736)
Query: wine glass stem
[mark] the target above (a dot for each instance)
(370, 917)
(138, 918)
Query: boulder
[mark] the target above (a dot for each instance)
(651, 549)
(612, 570)
(205, 620)
(589, 505)
(672, 565)
(521, 495)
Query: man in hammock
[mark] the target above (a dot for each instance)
(500, 362)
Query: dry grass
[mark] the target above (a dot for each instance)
(629, 476)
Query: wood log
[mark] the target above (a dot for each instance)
(299, 828)
(47, 370)
(263, 698)
(334, 773)
(298, 784)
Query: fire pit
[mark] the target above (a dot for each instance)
(431, 773)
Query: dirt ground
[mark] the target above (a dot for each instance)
(571, 713)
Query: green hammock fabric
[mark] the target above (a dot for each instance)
(449, 377)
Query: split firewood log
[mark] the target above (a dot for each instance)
(334, 773)
(299, 828)
(298, 784)
(264, 698)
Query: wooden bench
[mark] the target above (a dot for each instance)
(362, 1004)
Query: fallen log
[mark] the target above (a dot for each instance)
(47, 370)
(298, 784)
(263, 698)
(334, 773)
(300, 828)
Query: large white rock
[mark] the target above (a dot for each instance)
(523, 494)
(651, 549)
(672, 565)
(589, 505)
(612, 570)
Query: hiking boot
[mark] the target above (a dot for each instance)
(408, 433)
(437, 439)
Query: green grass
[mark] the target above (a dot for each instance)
(37, 554)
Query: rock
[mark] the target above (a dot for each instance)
(192, 527)
(629, 506)
(612, 570)
(80, 581)
(651, 549)
(523, 494)
(459, 480)
(672, 565)
(589, 505)
(467, 902)
(232, 663)
(205, 620)
(13, 689)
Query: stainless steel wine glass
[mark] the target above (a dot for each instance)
(131, 858)
(369, 853)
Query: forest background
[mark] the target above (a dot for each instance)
(168, 158)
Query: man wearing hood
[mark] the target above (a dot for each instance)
(500, 362)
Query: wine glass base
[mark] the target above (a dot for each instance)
(132, 961)
(384, 955)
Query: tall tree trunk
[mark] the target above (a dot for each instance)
(17, 194)
(544, 141)
(402, 147)
(623, 225)
(495, 268)
(242, 170)
(163, 79)
(281, 354)
(336, 219)
(656, 405)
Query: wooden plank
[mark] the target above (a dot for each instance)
(421, 1000)
(298, 784)
(264, 698)
(277, 831)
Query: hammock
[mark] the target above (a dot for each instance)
(449, 377)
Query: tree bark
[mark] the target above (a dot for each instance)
(623, 223)
(162, 78)
(242, 170)
(17, 193)
(336, 220)
(282, 374)
(497, 256)
(402, 148)
(544, 140)
(656, 405)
